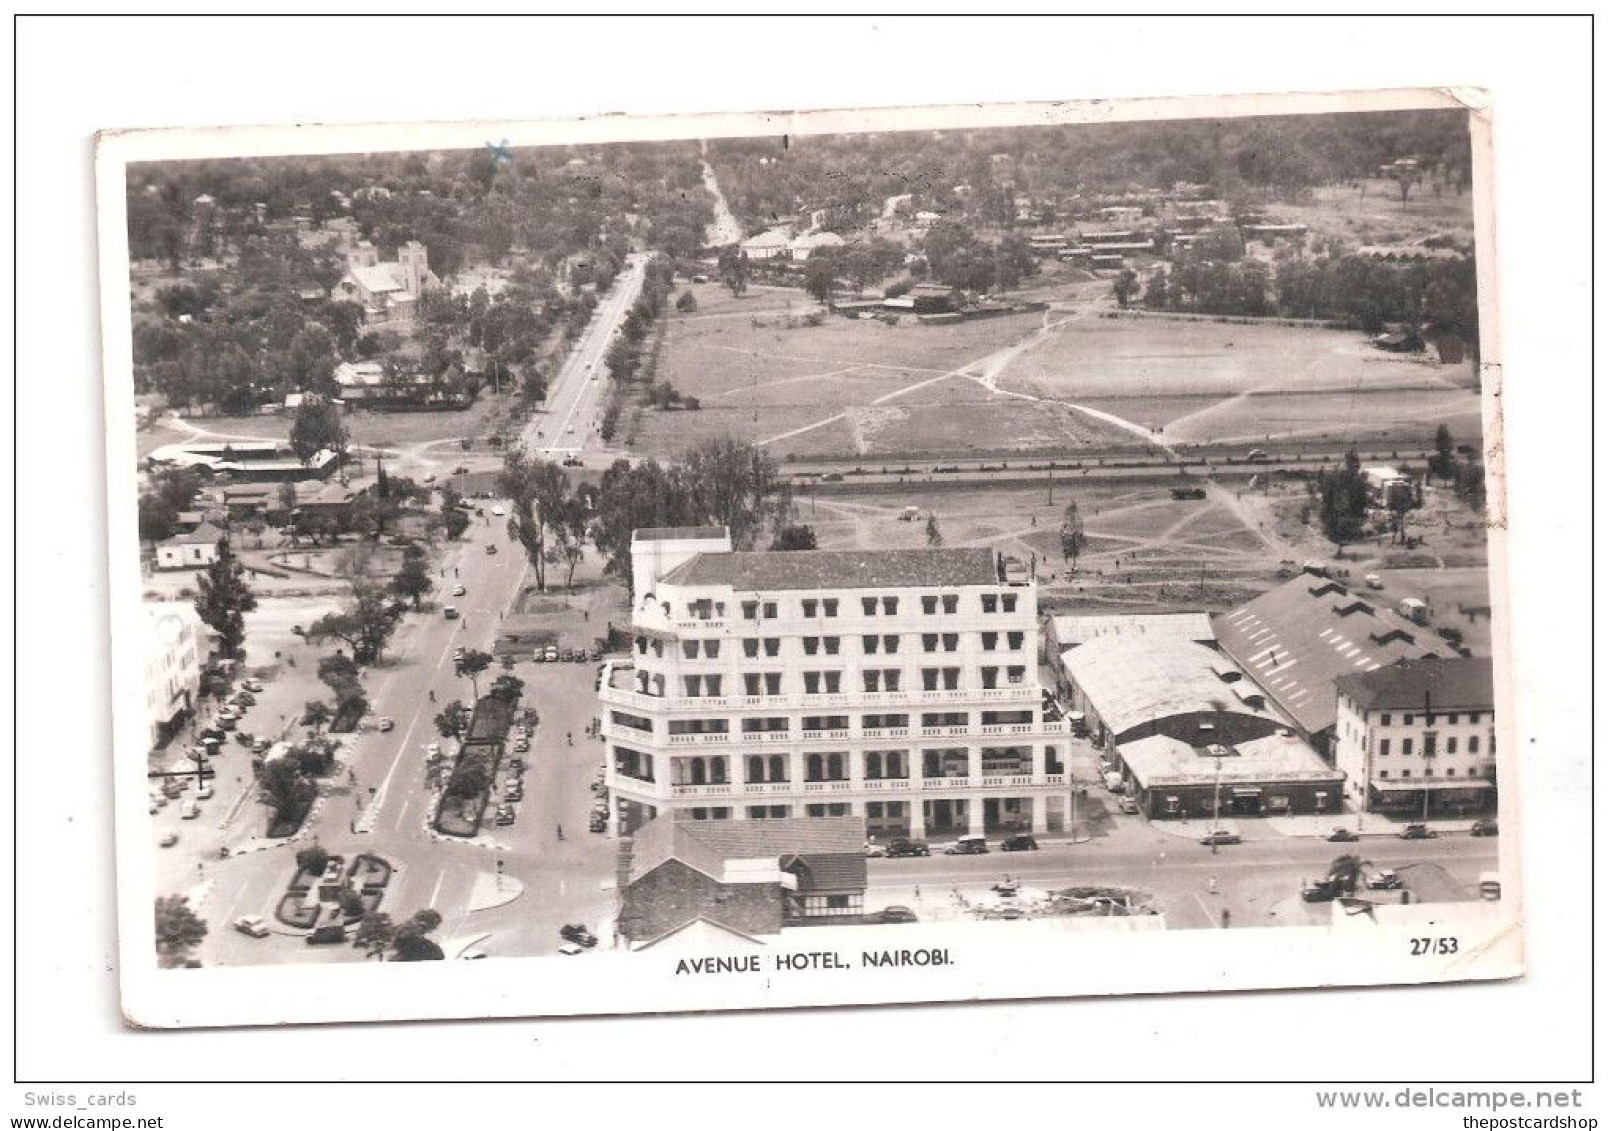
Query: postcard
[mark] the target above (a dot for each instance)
(716, 562)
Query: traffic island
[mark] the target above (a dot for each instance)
(325, 892)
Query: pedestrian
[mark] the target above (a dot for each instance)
(918, 891)
(560, 832)
(1211, 884)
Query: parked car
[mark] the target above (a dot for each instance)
(1341, 833)
(1483, 827)
(1018, 842)
(204, 792)
(897, 914)
(252, 685)
(190, 810)
(541, 655)
(566, 655)
(386, 723)
(1384, 880)
(449, 612)
(1417, 832)
(552, 654)
(244, 699)
(228, 722)
(505, 816)
(252, 925)
(571, 461)
(1371, 580)
(169, 840)
(1127, 804)
(458, 590)
(570, 950)
(967, 846)
(491, 547)
(1321, 892)
(875, 851)
(578, 934)
(498, 511)
(1221, 836)
(1256, 455)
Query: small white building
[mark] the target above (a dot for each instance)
(771, 244)
(197, 549)
(172, 665)
(801, 247)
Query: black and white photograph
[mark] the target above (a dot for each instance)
(843, 549)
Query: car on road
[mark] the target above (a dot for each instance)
(252, 685)
(1384, 880)
(522, 746)
(1371, 580)
(252, 925)
(578, 934)
(1483, 827)
(458, 591)
(541, 655)
(228, 722)
(190, 810)
(490, 548)
(570, 950)
(1221, 836)
(1321, 892)
(513, 795)
(967, 846)
(386, 723)
(1127, 804)
(204, 793)
(1417, 832)
(1019, 842)
(552, 654)
(897, 914)
(505, 815)
(449, 612)
(243, 698)
(571, 461)
(169, 840)
(1341, 833)
(498, 511)
(1256, 455)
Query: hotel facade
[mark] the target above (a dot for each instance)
(898, 685)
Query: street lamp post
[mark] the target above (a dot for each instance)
(1217, 801)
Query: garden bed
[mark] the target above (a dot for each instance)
(286, 823)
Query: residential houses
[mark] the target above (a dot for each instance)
(195, 549)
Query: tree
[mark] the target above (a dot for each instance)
(797, 537)
(179, 930)
(365, 624)
(317, 426)
(934, 537)
(1345, 872)
(687, 303)
(507, 687)
(374, 934)
(224, 599)
(820, 277)
(312, 860)
(453, 720)
(736, 485)
(471, 664)
(536, 488)
(413, 579)
(454, 520)
(408, 941)
(1072, 537)
(1443, 464)
(351, 903)
(285, 788)
(1343, 502)
(733, 266)
(316, 715)
(1125, 286)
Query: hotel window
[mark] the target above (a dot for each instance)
(1384, 719)
(751, 648)
(1384, 747)
(1008, 602)
(990, 678)
(929, 679)
(812, 645)
(890, 606)
(751, 684)
(890, 644)
(711, 649)
(1406, 746)
(951, 679)
(812, 683)
(890, 679)
(694, 685)
(1013, 640)
(1429, 719)
(773, 683)
(951, 641)
(712, 685)
(868, 606)
(1474, 744)
(832, 644)
(642, 645)
(868, 644)
(1016, 674)
(929, 605)
(929, 642)
(776, 724)
(770, 610)
(990, 641)
(689, 649)
(1406, 773)
(834, 682)
(773, 646)
(810, 606)
(1384, 773)
(829, 606)
(1451, 744)
(1451, 719)
(951, 603)
(750, 610)
(658, 647)
(875, 722)
(1472, 772)
(1406, 720)
(990, 602)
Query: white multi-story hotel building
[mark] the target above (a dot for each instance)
(1419, 736)
(172, 665)
(897, 685)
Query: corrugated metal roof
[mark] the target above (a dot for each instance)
(1135, 680)
(1071, 630)
(1298, 639)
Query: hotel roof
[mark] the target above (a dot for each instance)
(828, 851)
(677, 533)
(1463, 684)
(838, 569)
(1298, 639)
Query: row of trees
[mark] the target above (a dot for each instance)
(1358, 291)
(956, 257)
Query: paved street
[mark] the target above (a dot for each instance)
(576, 397)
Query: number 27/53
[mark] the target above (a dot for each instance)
(1424, 946)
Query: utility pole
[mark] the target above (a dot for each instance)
(1217, 801)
